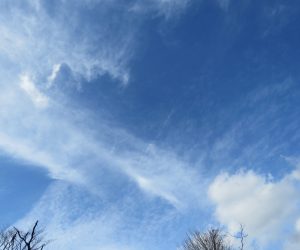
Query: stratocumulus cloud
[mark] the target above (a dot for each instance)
(246, 198)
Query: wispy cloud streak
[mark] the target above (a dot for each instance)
(46, 134)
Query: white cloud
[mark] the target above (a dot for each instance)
(71, 223)
(165, 8)
(74, 218)
(258, 134)
(39, 37)
(224, 4)
(262, 205)
(293, 242)
(64, 142)
(37, 97)
(161, 173)
(52, 77)
(38, 40)
(50, 134)
(72, 146)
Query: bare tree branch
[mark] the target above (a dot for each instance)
(213, 239)
(15, 239)
(241, 235)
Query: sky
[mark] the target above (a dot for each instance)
(126, 124)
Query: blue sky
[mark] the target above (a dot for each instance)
(125, 124)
